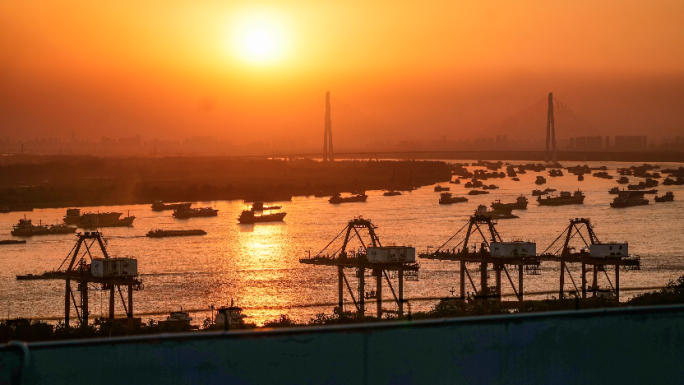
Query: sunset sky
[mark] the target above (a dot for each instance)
(248, 71)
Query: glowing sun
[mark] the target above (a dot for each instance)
(259, 42)
(261, 37)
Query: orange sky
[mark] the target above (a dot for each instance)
(175, 69)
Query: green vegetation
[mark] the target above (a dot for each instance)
(671, 294)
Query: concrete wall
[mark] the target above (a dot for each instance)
(613, 346)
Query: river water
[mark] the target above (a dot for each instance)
(258, 265)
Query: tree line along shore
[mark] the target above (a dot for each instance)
(91, 181)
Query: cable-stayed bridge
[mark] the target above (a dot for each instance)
(546, 118)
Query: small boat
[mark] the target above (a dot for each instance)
(160, 233)
(580, 177)
(439, 188)
(540, 180)
(668, 197)
(455, 181)
(249, 217)
(25, 228)
(674, 182)
(494, 214)
(490, 187)
(338, 198)
(643, 185)
(477, 192)
(616, 190)
(95, 220)
(602, 174)
(391, 193)
(259, 206)
(510, 171)
(555, 173)
(629, 199)
(565, 198)
(516, 179)
(183, 212)
(474, 184)
(160, 206)
(179, 316)
(623, 180)
(231, 315)
(178, 320)
(92, 220)
(536, 193)
(446, 199)
(11, 241)
(519, 204)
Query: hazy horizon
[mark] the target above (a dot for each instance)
(454, 69)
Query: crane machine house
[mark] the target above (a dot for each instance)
(392, 254)
(608, 249)
(114, 267)
(513, 249)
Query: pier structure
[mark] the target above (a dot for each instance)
(594, 254)
(110, 274)
(381, 262)
(492, 251)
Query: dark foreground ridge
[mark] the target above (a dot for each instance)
(43, 182)
(36, 330)
(631, 345)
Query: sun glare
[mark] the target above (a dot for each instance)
(259, 42)
(260, 37)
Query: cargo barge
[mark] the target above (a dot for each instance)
(629, 199)
(95, 220)
(519, 204)
(565, 198)
(161, 206)
(183, 213)
(161, 233)
(11, 241)
(25, 228)
(248, 217)
(338, 198)
(446, 199)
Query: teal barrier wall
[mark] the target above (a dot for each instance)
(612, 346)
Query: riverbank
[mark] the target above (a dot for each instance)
(90, 181)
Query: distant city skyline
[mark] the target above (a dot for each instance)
(203, 145)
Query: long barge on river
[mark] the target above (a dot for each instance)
(95, 220)
(161, 233)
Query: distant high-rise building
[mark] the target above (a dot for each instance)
(631, 143)
(501, 142)
(581, 143)
(594, 143)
